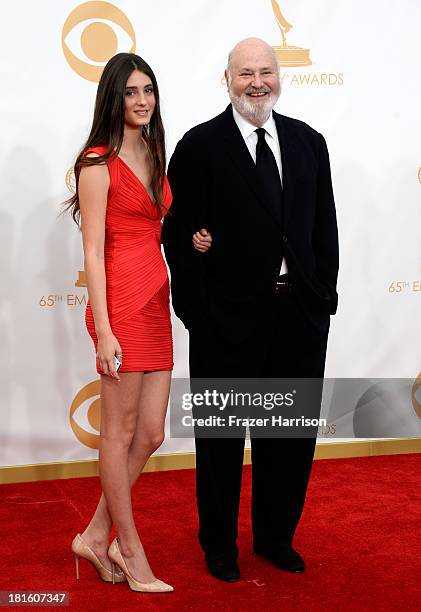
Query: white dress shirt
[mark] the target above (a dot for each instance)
(248, 132)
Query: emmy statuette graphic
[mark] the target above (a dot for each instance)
(81, 280)
(288, 55)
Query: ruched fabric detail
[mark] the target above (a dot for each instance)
(136, 274)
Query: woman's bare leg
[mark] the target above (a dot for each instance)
(148, 435)
(119, 407)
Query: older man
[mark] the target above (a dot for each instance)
(258, 303)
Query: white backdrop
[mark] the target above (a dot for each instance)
(361, 92)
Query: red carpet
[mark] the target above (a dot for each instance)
(360, 536)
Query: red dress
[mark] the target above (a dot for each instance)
(136, 274)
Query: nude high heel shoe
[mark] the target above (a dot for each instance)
(157, 586)
(81, 549)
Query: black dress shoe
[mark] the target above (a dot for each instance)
(224, 569)
(286, 559)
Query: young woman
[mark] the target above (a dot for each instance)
(121, 197)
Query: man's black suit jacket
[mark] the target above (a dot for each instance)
(215, 186)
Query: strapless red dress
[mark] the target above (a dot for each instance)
(136, 275)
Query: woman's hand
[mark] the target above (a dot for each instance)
(202, 240)
(108, 347)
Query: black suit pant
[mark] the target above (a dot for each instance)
(283, 344)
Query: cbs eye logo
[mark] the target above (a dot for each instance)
(92, 34)
(85, 414)
(71, 180)
(416, 403)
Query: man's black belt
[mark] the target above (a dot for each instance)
(282, 284)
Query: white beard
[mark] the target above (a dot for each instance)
(254, 112)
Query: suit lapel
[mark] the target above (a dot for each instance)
(290, 158)
(237, 150)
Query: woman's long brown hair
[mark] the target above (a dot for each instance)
(108, 126)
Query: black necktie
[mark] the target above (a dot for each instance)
(268, 172)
